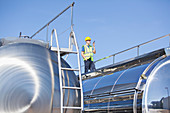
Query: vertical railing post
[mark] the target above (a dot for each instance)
(113, 59)
(72, 17)
(47, 34)
(138, 50)
(169, 40)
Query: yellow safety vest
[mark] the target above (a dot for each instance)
(88, 53)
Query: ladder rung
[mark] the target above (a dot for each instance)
(75, 52)
(70, 69)
(68, 87)
(54, 49)
(68, 107)
(64, 50)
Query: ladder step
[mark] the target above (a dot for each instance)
(54, 49)
(68, 107)
(68, 87)
(63, 51)
(70, 69)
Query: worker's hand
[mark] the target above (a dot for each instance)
(94, 44)
(86, 59)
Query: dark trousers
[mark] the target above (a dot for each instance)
(89, 65)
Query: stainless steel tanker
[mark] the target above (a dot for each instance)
(137, 85)
(29, 80)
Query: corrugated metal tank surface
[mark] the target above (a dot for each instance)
(28, 74)
(115, 92)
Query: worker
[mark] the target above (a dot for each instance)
(87, 54)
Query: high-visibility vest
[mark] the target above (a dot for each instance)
(88, 52)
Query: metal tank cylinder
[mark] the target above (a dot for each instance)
(116, 92)
(29, 81)
(113, 93)
(156, 94)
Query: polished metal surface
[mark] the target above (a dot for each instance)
(116, 92)
(139, 87)
(29, 79)
(113, 92)
(156, 94)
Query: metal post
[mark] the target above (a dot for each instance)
(113, 59)
(138, 51)
(20, 34)
(169, 40)
(72, 17)
(47, 34)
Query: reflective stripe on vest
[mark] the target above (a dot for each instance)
(88, 53)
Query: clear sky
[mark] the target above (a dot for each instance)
(115, 25)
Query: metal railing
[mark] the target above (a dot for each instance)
(137, 46)
(47, 25)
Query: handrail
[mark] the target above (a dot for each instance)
(55, 33)
(72, 34)
(46, 25)
(137, 46)
(59, 66)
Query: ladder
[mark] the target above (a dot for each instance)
(65, 51)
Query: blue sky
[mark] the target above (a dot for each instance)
(115, 25)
